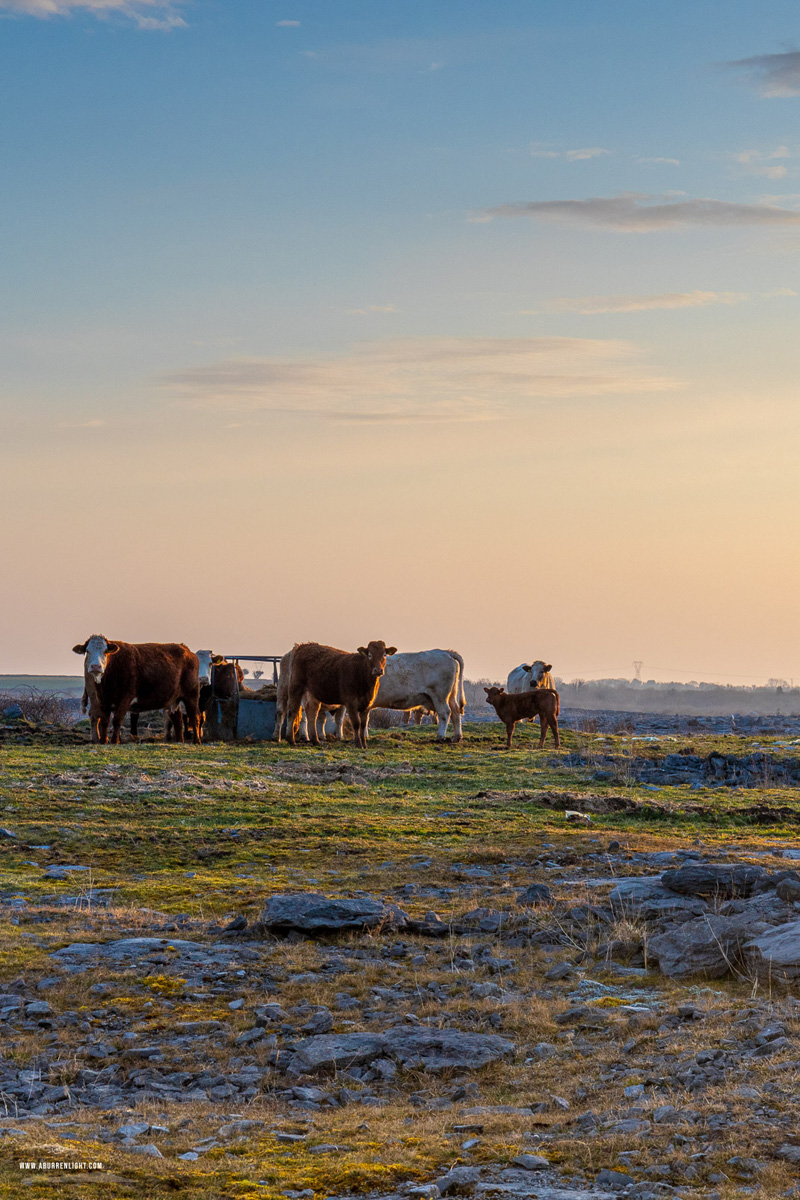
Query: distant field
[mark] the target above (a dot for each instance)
(43, 683)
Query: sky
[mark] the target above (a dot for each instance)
(470, 324)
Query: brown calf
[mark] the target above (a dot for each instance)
(510, 708)
(335, 677)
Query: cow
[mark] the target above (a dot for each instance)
(337, 711)
(150, 675)
(417, 715)
(335, 677)
(427, 679)
(530, 675)
(176, 722)
(541, 702)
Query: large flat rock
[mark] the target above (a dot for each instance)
(131, 950)
(647, 897)
(442, 1049)
(775, 953)
(723, 880)
(432, 1050)
(710, 946)
(312, 912)
(335, 1052)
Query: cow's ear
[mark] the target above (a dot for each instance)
(217, 659)
(112, 647)
(363, 650)
(549, 667)
(487, 690)
(527, 666)
(391, 649)
(79, 649)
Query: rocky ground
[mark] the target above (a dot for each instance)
(383, 976)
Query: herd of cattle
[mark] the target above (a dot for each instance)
(314, 681)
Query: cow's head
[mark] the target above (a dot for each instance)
(375, 654)
(493, 694)
(97, 651)
(539, 672)
(205, 658)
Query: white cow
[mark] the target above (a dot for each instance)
(310, 710)
(432, 679)
(528, 676)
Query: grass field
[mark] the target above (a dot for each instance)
(178, 839)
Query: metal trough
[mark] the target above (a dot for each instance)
(242, 717)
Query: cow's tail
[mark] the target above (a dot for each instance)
(85, 701)
(558, 703)
(462, 699)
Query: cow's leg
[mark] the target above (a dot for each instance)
(312, 707)
(364, 715)
(455, 713)
(120, 713)
(174, 723)
(509, 733)
(134, 725)
(355, 721)
(293, 708)
(443, 714)
(544, 724)
(407, 715)
(192, 717)
(100, 727)
(339, 714)
(556, 735)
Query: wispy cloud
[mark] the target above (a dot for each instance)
(591, 305)
(771, 74)
(542, 150)
(147, 14)
(422, 379)
(635, 213)
(287, 24)
(371, 308)
(765, 163)
(673, 162)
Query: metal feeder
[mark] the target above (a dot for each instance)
(242, 716)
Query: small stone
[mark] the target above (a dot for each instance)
(634, 1091)
(459, 1180)
(530, 1162)
(150, 1149)
(533, 895)
(235, 1005)
(613, 1179)
(189, 1156)
(136, 1129)
(38, 1008)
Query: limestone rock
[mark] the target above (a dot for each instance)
(724, 880)
(708, 946)
(312, 912)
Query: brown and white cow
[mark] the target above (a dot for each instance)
(335, 677)
(150, 675)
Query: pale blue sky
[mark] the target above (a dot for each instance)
(301, 277)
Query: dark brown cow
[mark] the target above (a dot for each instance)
(151, 674)
(542, 703)
(228, 678)
(336, 677)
